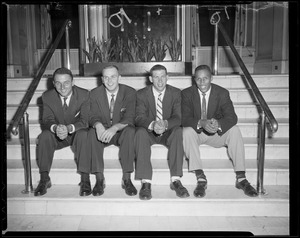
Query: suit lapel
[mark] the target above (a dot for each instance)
(102, 101)
(151, 100)
(212, 102)
(167, 102)
(72, 105)
(58, 107)
(196, 97)
(118, 104)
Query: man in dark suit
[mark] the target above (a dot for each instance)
(65, 118)
(208, 117)
(112, 112)
(158, 118)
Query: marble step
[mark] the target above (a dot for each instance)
(243, 111)
(248, 127)
(276, 148)
(218, 172)
(219, 201)
(236, 95)
(227, 81)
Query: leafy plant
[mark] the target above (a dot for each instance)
(105, 50)
(175, 48)
(119, 50)
(146, 50)
(92, 54)
(160, 49)
(132, 49)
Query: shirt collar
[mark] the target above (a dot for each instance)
(206, 94)
(156, 93)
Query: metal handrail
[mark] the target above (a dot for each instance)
(41, 70)
(266, 112)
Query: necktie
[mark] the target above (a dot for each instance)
(111, 108)
(65, 106)
(203, 107)
(159, 112)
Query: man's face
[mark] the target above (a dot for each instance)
(203, 80)
(110, 78)
(159, 79)
(63, 84)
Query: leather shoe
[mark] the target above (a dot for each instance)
(179, 189)
(200, 189)
(42, 187)
(246, 187)
(145, 192)
(85, 188)
(98, 190)
(129, 187)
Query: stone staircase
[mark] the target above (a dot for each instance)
(222, 198)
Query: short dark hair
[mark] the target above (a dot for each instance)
(62, 71)
(203, 67)
(158, 67)
(110, 67)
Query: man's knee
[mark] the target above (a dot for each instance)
(45, 137)
(188, 131)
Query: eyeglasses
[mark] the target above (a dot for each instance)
(113, 77)
(66, 84)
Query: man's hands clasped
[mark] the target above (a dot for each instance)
(210, 125)
(160, 127)
(105, 135)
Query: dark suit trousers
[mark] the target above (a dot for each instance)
(94, 162)
(172, 139)
(48, 142)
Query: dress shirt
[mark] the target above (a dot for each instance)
(155, 94)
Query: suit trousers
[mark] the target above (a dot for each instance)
(94, 161)
(232, 139)
(48, 142)
(144, 139)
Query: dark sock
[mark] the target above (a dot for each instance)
(240, 175)
(200, 175)
(126, 176)
(85, 177)
(45, 176)
(99, 176)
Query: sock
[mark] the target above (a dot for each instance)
(146, 181)
(99, 176)
(174, 178)
(126, 176)
(85, 177)
(200, 175)
(45, 176)
(240, 175)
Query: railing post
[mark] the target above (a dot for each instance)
(261, 154)
(68, 44)
(215, 69)
(27, 163)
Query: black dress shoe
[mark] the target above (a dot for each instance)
(246, 187)
(199, 191)
(145, 192)
(98, 190)
(85, 188)
(42, 187)
(129, 187)
(179, 189)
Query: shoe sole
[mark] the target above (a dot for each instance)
(183, 196)
(84, 194)
(144, 198)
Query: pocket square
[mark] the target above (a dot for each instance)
(123, 109)
(77, 114)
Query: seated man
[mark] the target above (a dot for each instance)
(112, 111)
(213, 123)
(158, 118)
(65, 120)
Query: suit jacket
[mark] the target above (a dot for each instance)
(77, 113)
(124, 108)
(146, 108)
(219, 107)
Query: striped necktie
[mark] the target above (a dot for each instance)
(159, 112)
(203, 107)
(111, 108)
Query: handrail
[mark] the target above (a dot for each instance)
(41, 70)
(259, 97)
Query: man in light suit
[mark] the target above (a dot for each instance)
(65, 123)
(158, 118)
(112, 112)
(208, 117)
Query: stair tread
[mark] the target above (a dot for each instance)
(159, 164)
(279, 193)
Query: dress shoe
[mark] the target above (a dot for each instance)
(42, 187)
(179, 189)
(85, 188)
(129, 187)
(247, 188)
(98, 190)
(145, 192)
(200, 189)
